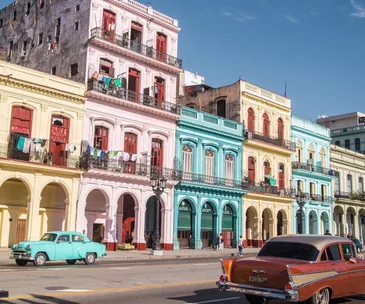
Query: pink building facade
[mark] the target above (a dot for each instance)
(129, 125)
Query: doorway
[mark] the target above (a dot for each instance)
(98, 233)
(20, 230)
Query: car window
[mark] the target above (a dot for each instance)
(77, 238)
(333, 253)
(323, 256)
(64, 238)
(50, 237)
(289, 250)
(348, 250)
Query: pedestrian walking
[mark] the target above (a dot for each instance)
(221, 242)
(127, 239)
(217, 239)
(132, 238)
(327, 232)
(240, 246)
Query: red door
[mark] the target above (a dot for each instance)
(130, 146)
(60, 130)
(161, 46)
(266, 126)
(108, 25)
(157, 153)
(280, 129)
(251, 120)
(127, 227)
(159, 91)
(251, 169)
(134, 85)
(267, 170)
(21, 120)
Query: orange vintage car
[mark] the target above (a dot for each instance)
(297, 268)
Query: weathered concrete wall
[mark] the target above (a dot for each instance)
(72, 45)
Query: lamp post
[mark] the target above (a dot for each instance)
(158, 184)
(300, 197)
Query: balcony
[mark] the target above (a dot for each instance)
(283, 143)
(268, 189)
(347, 131)
(310, 168)
(40, 156)
(123, 43)
(133, 97)
(358, 196)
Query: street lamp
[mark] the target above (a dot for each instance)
(300, 197)
(158, 184)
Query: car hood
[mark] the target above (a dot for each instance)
(22, 245)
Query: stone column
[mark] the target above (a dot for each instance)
(81, 222)
(5, 227)
(33, 223)
(71, 215)
(139, 226)
(356, 225)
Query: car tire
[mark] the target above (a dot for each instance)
(321, 297)
(21, 262)
(256, 300)
(89, 258)
(40, 259)
(70, 262)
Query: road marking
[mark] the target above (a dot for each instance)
(76, 290)
(200, 264)
(110, 290)
(120, 268)
(6, 269)
(217, 300)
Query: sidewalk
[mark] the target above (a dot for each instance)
(145, 255)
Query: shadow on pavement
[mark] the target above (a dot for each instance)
(209, 295)
(40, 299)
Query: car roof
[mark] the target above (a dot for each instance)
(318, 241)
(65, 232)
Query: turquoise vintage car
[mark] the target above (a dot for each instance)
(58, 245)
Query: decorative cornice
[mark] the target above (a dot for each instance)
(31, 87)
(265, 102)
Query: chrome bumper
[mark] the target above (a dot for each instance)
(21, 256)
(284, 295)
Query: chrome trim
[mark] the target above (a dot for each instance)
(289, 272)
(24, 255)
(258, 271)
(223, 268)
(269, 293)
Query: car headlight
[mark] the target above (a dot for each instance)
(28, 248)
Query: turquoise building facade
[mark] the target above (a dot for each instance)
(312, 177)
(208, 197)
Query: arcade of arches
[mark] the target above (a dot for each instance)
(32, 204)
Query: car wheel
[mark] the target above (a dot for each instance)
(21, 262)
(40, 259)
(321, 297)
(89, 259)
(256, 300)
(70, 262)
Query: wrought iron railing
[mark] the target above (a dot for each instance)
(310, 168)
(99, 86)
(137, 47)
(358, 196)
(270, 140)
(268, 189)
(40, 156)
(316, 197)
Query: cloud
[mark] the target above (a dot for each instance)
(359, 10)
(291, 19)
(239, 17)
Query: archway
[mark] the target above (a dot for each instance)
(338, 221)
(350, 222)
(267, 225)
(13, 212)
(185, 226)
(207, 225)
(150, 221)
(96, 215)
(53, 208)
(228, 226)
(281, 223)
(313, 222)
(251, 227)
(362, 225)
(325, 223)
(126, 219)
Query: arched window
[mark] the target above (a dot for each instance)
(130, 146)
(108, 25)
(281, 176)
(229, 167)
(299, 152)
(311, 160)
(187, 161)
(266, 125)
(106, 68)
(251, 169)
(157, 153)
(267, 168)
(280, 129)
(161, 47)
(101, 138)
(251, 120)
(209, 166)
(322, 155)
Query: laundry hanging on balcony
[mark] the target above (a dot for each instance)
(270, 180)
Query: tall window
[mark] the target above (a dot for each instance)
(60, 130)
(106, 68)
(161, 47)
(251, 169)
(322, 155)
(209, 166)
(108, 25)
(299, 152)
(361, 184)
(101, 138)
(310, 160)
(251, 120)
(357, 144)
(337, 182)
(337, 143)
(267, 168)
(229, 167)
(280, 129)
(299, 186)
(347, 144)
(187, 162)
(21, 120)
(349, 183)
(323, 192)
(157, 153)
(266, 124)
(159, 90)
(312, 189)
(281, 176)
(130, 146)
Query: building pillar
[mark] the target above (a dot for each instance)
(140, 242)
(4, 228)
(33, 223)
(176, 244)
(356, 225)
(71, 215)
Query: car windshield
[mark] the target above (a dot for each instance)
(289, 250)
(51, 237)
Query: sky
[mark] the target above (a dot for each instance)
(316, 46)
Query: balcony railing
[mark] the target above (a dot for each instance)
(287, 144)
(311, 168)
(40, 156)
(99, 86)
(317, 197)
(134, 46)
(358, 196)
(268, 189)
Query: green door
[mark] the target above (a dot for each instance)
(184, 224)
(207, 225)
(227, 225)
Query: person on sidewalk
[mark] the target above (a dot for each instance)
(216, 245)
(221, 242)
(132, 238)
(127, 239)
(240, 246)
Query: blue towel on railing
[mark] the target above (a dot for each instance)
(21, 143)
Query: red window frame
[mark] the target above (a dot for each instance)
(266, 125)
(280, 129)
(101, 134)
(251, 120)
(21, 120)
(157, 153)
(251, 169)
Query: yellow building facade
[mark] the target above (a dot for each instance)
(267, 151)
(41, 119)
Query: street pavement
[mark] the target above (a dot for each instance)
(149, 281)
